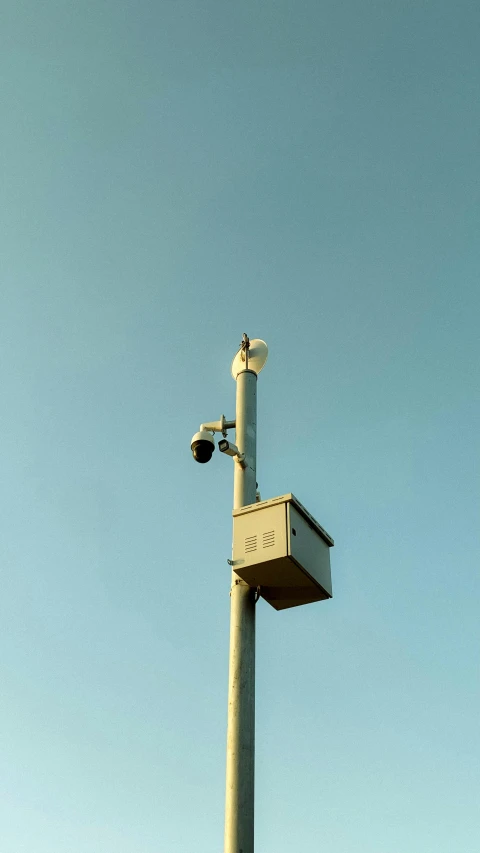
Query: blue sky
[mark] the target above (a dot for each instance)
(174, 174)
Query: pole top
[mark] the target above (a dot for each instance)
(252, 355)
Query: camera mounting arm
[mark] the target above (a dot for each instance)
(218, 426)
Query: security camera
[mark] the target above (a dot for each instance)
(202, 445)
(227, 447)
(232, 450)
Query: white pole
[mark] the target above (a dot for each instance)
(239, 806)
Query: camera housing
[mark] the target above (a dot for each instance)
(232, 450)
(202, 445)
(227, 447)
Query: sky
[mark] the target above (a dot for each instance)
(173, 174)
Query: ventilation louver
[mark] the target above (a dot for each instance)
(269, 539)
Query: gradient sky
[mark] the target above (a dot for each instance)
(174, 174)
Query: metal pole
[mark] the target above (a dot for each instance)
(239, 806)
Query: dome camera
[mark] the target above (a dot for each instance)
(202, 445)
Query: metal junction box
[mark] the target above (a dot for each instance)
(278, 546)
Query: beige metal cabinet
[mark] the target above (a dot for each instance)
(279, 547)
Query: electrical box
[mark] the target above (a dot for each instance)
(279, 547)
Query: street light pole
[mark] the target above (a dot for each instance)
(290, 568)
(239, 805)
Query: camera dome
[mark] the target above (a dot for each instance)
(202, 446)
